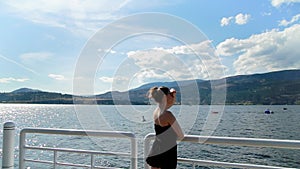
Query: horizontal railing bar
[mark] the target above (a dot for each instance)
(94, 133)
(68, 164)
(235, 141)
(84, 165)
(77, 151)
(72, 164)
(227, 164)
(256, 142)
(38, 161)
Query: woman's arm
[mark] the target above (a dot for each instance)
(175, 125)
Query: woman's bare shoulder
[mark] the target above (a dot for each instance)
(169, 113)
(171, 118)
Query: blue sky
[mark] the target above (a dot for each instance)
(41, 41)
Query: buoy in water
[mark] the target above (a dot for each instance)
(143, 119)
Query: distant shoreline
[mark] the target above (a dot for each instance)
(273, 88)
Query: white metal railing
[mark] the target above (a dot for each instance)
(9, 133)
(112, 134)
(255, 142)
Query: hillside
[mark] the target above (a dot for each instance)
(282, 87)
(25, 90)
(33, 96)
(270, 88)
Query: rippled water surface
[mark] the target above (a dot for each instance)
(235, 121)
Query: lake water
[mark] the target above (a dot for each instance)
(235, 121)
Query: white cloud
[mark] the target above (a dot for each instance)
(269, 51)
(150, 74)
(292, 21)
(57, 77)
(196, 61)
(106, 79)
(239, 19)
(242, 19)
(226, 21)
(278, 3)
(80, 17)
(11, 79)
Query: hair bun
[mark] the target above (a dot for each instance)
(156, 93)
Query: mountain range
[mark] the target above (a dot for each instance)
(280, 87)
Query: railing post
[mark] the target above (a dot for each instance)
(134, 152)
(22, 149)
(54, 159)
(8, 145)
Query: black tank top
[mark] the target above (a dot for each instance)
(165, 134)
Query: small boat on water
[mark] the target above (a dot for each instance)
(268, 111)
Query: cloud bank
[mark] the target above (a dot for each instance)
(81, 18)
(278, 3)
(195, 61)
(269, 51)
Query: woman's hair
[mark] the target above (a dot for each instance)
(157, 93)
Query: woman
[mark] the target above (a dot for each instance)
(163, 153)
